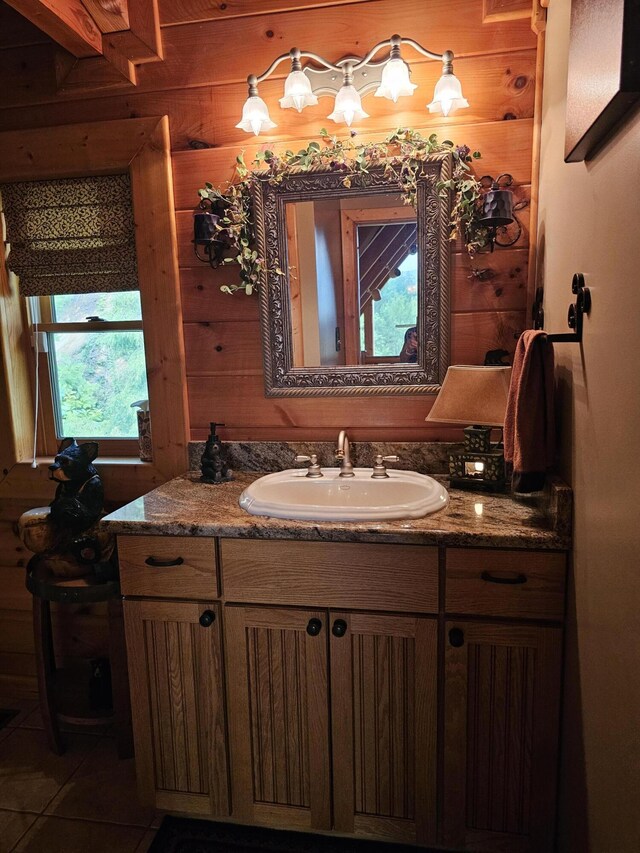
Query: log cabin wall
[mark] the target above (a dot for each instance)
(209, 48)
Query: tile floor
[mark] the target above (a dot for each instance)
(83, 801)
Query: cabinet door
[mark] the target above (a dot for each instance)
(278, 716)
(502, 685)
(175, 673)
(383, 716)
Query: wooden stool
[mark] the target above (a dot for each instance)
(60, 699)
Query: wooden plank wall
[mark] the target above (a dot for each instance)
(209, 49)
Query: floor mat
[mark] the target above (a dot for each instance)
(185, 835)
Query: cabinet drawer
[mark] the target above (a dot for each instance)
(168, 566)
(522, 584)
(330, 574)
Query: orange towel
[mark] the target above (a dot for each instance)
(529, 423)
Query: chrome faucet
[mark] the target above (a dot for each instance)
(343, 455)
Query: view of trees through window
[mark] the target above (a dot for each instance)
(397, 310)
(96, 376)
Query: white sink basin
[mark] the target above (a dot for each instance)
(291, 494)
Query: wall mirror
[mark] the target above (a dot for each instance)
(355, 296)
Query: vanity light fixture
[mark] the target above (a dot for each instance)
(348, 80)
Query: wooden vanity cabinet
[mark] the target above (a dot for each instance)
(356, 752)
(435, 722)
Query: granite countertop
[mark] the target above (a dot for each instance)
(186, 507)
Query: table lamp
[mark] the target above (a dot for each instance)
(477, 396)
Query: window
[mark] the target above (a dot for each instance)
(91, 370)
(72, 246)
(388, 286)
(396, 310)
(135, 151)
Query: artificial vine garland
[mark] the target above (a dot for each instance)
(401, 155)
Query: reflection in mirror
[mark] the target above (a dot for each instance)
(353, 278)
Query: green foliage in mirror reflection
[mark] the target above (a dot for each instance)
(401, 155)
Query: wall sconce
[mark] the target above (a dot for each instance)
(475, 395)
(348, 80)
(498, 211)
(208, 234)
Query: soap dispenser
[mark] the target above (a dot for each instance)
(212, 464)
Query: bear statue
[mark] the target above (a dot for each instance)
(67, 536)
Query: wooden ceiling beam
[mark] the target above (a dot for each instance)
(67, 22)
(111, 16)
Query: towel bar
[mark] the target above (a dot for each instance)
(575, 315)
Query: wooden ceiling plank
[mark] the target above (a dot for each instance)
(67, 22)
(191, 11)
(110, 15)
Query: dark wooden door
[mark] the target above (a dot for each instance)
(177, 699)
(383, 716)
(502, 687)
(278, 705)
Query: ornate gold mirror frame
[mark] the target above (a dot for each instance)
(433, 214)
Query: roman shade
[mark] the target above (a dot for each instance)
(74, 235)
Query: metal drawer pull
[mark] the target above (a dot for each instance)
(163, 564)
(487, 576)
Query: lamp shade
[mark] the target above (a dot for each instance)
(395, 81)
(348, 106)
(447, 96)
(255, 116)
(297, 92)
(497, 207)
(472, 395)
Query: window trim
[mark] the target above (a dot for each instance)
(141, 147)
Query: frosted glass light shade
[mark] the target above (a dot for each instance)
(255, 116)
(395, 82)
(447, 96)
(297, 92)
(348, 106)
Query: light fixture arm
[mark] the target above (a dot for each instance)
(394, 43)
